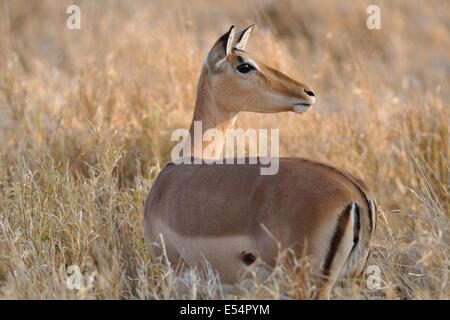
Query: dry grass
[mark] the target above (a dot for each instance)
(85, 120)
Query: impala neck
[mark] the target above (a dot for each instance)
(212, 116)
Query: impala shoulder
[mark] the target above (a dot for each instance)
(159, 185)
(169, 168)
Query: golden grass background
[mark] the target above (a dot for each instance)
(86, 117)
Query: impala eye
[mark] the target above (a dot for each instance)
(245, 68)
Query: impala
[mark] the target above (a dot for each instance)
(231, 215)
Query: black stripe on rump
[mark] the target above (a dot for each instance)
(336, 239)
(356, 226)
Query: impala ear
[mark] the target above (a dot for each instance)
(230, 40)
(243, 36)
(221, 49)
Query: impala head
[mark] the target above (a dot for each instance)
(239, 82)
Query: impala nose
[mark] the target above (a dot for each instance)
(309, 93)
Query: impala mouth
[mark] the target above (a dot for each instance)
(301, 107)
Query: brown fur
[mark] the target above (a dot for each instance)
(218, 212)
(300, 205)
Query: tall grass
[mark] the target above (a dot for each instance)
(86, 117)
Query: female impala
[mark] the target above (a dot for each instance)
(231, 215)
